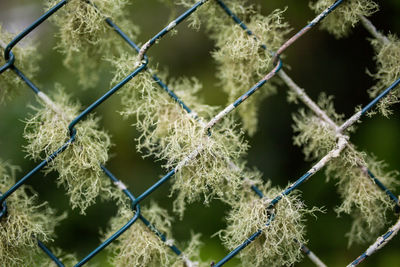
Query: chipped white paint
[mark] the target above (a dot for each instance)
(372, 30)
(188, 158)
(171, 25)
(341, 144)
(350, 122)
(380, 241)
(193, 115)
(188, 262)
(143, 50)
(219, 116)
(306, 99)
(315, 259)
(169, 242)
(52, 105)
(121, 185)
(233, 166)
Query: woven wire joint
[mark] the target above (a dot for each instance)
(342, 140)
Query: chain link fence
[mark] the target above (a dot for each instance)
(74, 141)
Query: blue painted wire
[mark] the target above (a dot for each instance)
(50, 254)
(8, 55)
(106, 96)
(154, 186)
(44, 163)
(380, 96)
(135, 208)
(160, 235)
(31, 27)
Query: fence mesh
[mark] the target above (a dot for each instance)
(207, 130)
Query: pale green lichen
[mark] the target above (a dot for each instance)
(140, 246)
(25, 221)
(210, 13)
(85, 36)
(241, 60)
(79, 165)
(26, 59)
(388, 70)
(169, 133)
(345, 16)
(276, 245)
(362, 198)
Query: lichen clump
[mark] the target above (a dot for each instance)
(388, 70)
(86, 37)
(25, 59)
(140, 246)
(243, 59)
(345, 16)
(24, 222)
(362, 199)
(171, 134)
(278, 244)
(79, 165)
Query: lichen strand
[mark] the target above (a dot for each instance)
(361, 197)
(345, 16)
(209, 175)
(315, 136)
(276, 246)
(25, 221)
(79, 165)
(242, 62)
(140, 246)
(25, 59)
(169, 133)
(85, 36)
(388, 70)
(210, 13)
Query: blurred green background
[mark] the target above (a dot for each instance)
(318, 62)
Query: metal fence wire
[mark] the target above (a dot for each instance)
(342, 140)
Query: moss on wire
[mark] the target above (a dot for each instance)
(169, 133)
(26, 59)
(140, 246)
(362, 199)
(79, 165)
(388, 70)
(276, 246)
(25, 221)
(84, 36)
(345, 16)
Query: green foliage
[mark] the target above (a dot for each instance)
(79, 165)
(84, 36)
(26, 59)
(388, 70)
(25, 221)
(171, 134)
(344, 17)
(276, 246)
(140, 246)
(362, 199)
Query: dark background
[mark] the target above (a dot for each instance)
(318, 63)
